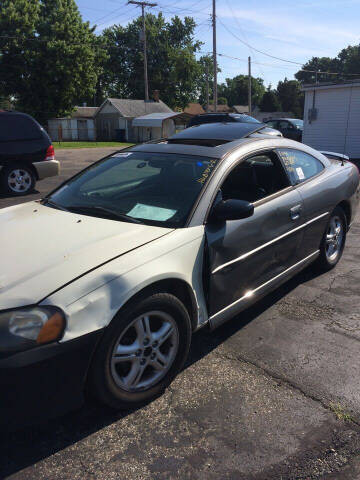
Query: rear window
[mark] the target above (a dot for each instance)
(18, 127)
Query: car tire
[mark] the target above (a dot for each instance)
(333, 241)
(111, 379)
(17, 180)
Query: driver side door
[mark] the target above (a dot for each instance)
(246, 254)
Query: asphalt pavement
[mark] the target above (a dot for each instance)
(272, 394)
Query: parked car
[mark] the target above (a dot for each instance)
(124, 261)
(221, 117)
(289, 127)
(26, 153)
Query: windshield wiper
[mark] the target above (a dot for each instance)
(108, 213)
(46, 201)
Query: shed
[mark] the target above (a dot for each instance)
(79, 126)
(155, 125)
(115, 116)
(332, 117)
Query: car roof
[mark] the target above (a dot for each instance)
(254, 142)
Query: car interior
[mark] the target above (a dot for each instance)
(255, 178)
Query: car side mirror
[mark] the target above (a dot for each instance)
(231, 209)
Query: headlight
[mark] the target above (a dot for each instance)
(27, 327)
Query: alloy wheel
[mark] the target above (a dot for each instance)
(334, 238)
(19, 180)
(145, 351)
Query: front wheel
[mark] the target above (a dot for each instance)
(17, 179)
(141, 352)
(333, 241)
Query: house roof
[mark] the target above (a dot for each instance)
(241, 108)
(220, 108)
(136, 108)
(194, 109)
(84, 112)
(153, 119)
(326, 85)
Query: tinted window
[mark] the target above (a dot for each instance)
(298, 123)
(154, 188)
(284, 124)
(272, 124)
(300, 165)
(18, 127)
(255, 178)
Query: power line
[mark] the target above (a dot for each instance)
(257, 50)
(281, 66)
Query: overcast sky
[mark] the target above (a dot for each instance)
(286, 29)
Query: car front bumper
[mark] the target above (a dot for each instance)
(44, 382)
(47, 168)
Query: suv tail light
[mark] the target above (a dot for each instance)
(50, 153)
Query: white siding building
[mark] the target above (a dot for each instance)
(332, 117)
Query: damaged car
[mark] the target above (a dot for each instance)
(105, 279)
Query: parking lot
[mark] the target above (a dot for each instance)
(272, 394)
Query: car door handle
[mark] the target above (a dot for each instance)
(295, 212)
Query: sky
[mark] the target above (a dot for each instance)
(290, 30)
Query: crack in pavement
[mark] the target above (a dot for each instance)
(283, 380)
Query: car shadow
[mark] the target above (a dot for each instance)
(23, 448)
(11, 195)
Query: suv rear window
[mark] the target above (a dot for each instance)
(18, 127)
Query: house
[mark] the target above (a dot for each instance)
(194, 109)
(79, 126)
(114, 118)
(241, 108)
(221, 109)
(332, 117)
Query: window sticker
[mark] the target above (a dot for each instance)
(151, 212)
(300, 173)
(207, 171)
(125, 154)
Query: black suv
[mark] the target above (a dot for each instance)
(26, 153)
(221, 117)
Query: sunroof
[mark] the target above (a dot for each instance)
(201, 142)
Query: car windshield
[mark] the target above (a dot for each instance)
(151, 188)
(241, 117)
(298, 123)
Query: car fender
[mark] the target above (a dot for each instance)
(92, 301)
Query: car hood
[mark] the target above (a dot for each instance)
(42, 249)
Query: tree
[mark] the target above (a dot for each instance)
(235, 90)
(50, 58)
(172, 65)
(345, 65)
(291, 97)
(270, 101)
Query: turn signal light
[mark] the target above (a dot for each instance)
(52, 330)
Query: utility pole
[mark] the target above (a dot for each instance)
(214, 54)
(143, 5)
(249, 85)
(207, 87)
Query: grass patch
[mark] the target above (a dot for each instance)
(60, 145)
(340, 413)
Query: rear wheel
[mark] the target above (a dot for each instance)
(17, 179)
(141, 352)
(333, 242)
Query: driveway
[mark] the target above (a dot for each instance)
(272, 394)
